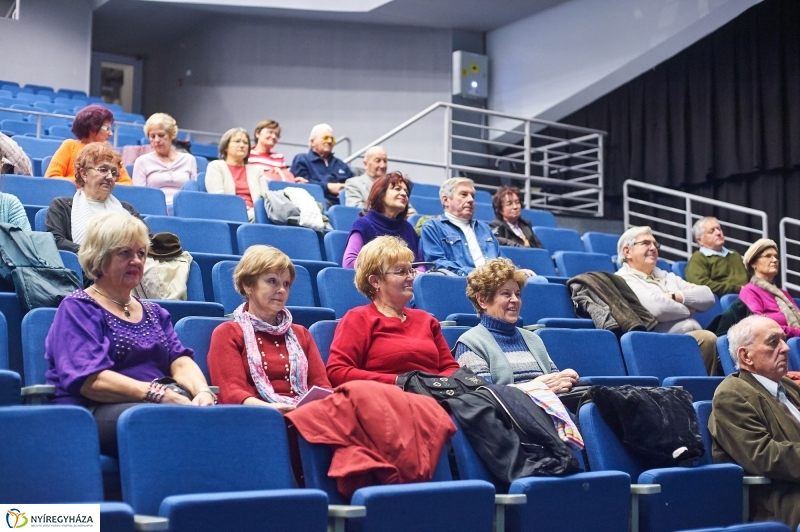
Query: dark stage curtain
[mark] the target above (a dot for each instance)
(720, 119)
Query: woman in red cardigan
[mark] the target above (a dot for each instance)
(384, 339)
(261, 358)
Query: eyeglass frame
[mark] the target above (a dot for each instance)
(404, 272)
(109, 170)
(649, 243)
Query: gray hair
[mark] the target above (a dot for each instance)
(226, 140)
(315, 131)
(699, 226)
(372, 150)
(741, 335)
(448, 188)
(629, 237)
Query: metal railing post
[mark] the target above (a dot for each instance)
(601, 174)
(39, 127)
(689, 224)
(448, 118)
(527, 145)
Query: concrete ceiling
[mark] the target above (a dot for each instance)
(149, 23)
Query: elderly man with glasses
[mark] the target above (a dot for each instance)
(670, 299)
(320, 166)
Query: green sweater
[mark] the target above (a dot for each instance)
(723, 275)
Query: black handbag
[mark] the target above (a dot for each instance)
(173, 385)
(438, 386)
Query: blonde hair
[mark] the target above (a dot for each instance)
(257, 260)
(107, 233)
(376, 257)
(161, 121)
(486, 280)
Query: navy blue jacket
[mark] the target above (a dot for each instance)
(317, 171)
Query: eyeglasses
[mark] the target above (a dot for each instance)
(404, 272)
(105, 171)
(648, 243)
(272, 133)
(105, 128)
(512, 204)
(769, 256)
(328, 138)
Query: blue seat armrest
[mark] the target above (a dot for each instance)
(150, 523)
(620, 380)
(37, 394)
(556, 279)
(567, 323)
(339, 513)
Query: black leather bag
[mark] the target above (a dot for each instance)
(32, 262)
(438, 386)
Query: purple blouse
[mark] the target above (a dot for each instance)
(86, 339)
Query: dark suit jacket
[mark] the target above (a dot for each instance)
(752, 428)
(507, 237)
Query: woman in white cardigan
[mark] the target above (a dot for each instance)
(232, 175)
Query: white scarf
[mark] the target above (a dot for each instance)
(84, 209)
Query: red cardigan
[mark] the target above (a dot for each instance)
(370, 346)
(227, 363)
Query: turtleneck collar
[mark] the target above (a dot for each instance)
(384, 221)
(498, 326)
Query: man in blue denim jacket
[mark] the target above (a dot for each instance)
(456, 242)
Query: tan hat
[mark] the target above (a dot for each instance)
(755, 250)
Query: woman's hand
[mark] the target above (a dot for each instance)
(203, 399)
(282, 408)
(559, 382)
(174, 398)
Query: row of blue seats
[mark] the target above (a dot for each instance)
(228, 468)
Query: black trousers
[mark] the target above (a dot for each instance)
(106, 416)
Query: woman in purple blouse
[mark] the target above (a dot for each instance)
(387, 209)
(107, 350)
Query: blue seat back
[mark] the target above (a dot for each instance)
(538, 260)
(209, 151)
(10, 308)
(260, 212)
(429, 206)
(59, 130)
(662, 355)
(194, 284)
(725, 359)
(188, 204)
(425, 190)
(313, 189)
(40, 220)
(202, 163)
(572, 263)
(18, 127)
(203, 236)
(37, 148)
(484, 212)
(556, 239)
(794, 354)
(193, 186)
(596, 242)
(664, 264)
(146, 200)
(165, 450)
(181, 309)
(3, 342)
(342, 217)
(590, 352)
(545, 300)
(703, 411)
(35, 327)
(336, 244)
(442, 295)
(704, 318)
(195, 333)
(603, 450)
(453, 333)
(296, 242)
(337, 291)
(539, 218)
(727, 300)
(322, 332)
(70, 261)
(301, 293)
(56, 445)
(679, 268)
(10, 388)
(37, 190)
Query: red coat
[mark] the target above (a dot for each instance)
(381, 434)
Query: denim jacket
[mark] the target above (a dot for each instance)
(444, 244)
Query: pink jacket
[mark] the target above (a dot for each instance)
(761, 302)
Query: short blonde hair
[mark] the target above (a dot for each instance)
(107, 233)
(486, 280)
(257, 260)
(376, 257)
(161, 121)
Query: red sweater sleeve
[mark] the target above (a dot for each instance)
(447, 364)
(317, 376)
(349, 351)
(225, 364)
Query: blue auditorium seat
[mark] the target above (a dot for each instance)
(672, 358)
(125, 140)
(260, 212)
(10, 309)
(34, 327)
(335, 245)
(182, 309)
(595, 502)
(704, 318)
(550, 304)
(313, 189)
(297, 242)
(483, 212)
(539, 218)
(301, 294)
(209, 151)
(71, 261)
(429, 206)
(38, 148)
(193, 186)
(10, 388)
(60, 131)
(690, 497)
(337, 291)
(227, 207)
(727, 300)
(572, 263)
(442, 295)
(37, 190)
(593, 353)
(453, 333)
(538, 260)
(322, 332)
(42, 469)
(308, 316)
(725, 359)
(202, 236)
(342, 217)
(596, 242)
(39, 221)
(214, 469)
(424, 190)
(794, 353)
(195, 333)
(146, 200)
(679, 268)
(555, 239)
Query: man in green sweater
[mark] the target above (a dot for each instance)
(713, 265)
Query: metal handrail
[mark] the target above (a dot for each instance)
(788, 253)
(546, 160)
(688, 215)
(196, 132)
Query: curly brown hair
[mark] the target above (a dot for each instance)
(500, 196)
(486, 280)
(92, 155)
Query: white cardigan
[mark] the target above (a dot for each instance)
(219, 180)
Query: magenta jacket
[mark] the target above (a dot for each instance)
(761, 302)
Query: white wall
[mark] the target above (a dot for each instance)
(363, 80)
(49, 45)
(555, 62)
